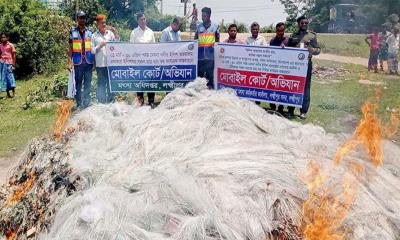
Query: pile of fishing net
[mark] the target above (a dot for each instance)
(208, 165)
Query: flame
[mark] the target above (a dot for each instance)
(11, 235)
(328, 206)
(325, 210)
(369, 134)
(21, 191)
(63, 114)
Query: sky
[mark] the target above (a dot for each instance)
(265, 12)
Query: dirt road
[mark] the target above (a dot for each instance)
(343, 59)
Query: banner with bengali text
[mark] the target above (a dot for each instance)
(261, 73)
(153, 67)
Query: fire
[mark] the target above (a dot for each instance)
(325, 210)
(328, 205)
(20, 192)
(11, 235)
(63, 114)
(368, 133)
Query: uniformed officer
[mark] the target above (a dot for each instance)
(304, 38)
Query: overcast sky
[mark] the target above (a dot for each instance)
(263, 11)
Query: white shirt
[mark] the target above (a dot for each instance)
(259, 41)
(140, 36)
(100, 53)
(393, 43)
(169, 35)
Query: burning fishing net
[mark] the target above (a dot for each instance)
(208, 165)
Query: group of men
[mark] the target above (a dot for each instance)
(87, 49)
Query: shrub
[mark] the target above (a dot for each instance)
(40, 36)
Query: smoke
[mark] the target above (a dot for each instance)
(208, 165)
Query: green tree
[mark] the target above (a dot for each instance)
(40, 36)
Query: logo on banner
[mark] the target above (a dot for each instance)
(222, 50)
(191, 46)
(302, 56)
(112, 48)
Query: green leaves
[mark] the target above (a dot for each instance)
(39, 35)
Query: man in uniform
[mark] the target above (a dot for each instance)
(80, 57)
(304, 38)
(207, 34)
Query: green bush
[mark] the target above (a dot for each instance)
(39, 35)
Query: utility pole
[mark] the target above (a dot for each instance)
(161, 7)
(185, 7)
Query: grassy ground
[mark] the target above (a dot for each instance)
(345, 45)
(18, 126)
(336, 105)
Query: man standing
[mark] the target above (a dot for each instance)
(393, 42)
(99, 41)
(143, 34)
(7, 65)
(232, 31)
(207, 34)
(280, 40)
(304, 38)
(255, 38)
(172, 33)
(81, 58)
(195, 17)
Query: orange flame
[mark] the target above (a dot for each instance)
(21, 191)
(63, 114)
(368, 133)
(11, 235)
(327, 207)
(325, 210)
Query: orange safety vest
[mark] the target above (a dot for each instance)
(77, 54)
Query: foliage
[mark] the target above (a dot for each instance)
(39, 35)
(242, 27)
(90, 7)
(372, 12)
(268, 29)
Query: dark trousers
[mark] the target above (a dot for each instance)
(150, 96)
(206, 70)
(307, 92)
(103, 92)
(83, 77)
(273, 107)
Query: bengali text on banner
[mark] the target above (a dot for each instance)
(266, 74)
(154, 67)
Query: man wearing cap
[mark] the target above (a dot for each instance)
(304, 38)
(80, 58)
(207, 34)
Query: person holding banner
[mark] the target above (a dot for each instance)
(81, 58)
(256, 40)
(232, 30)
(304, 38)
(143, 34)
(207, 34)
(172, 33)
(280, 40)
(99, 41)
